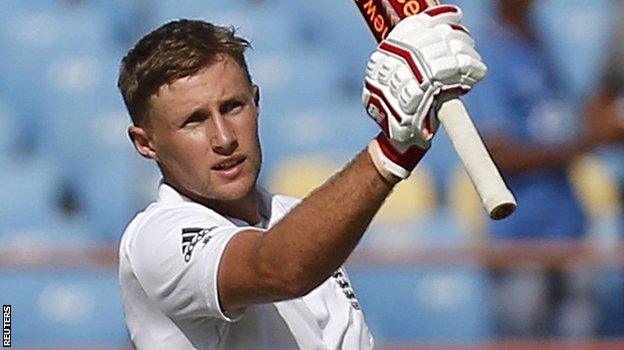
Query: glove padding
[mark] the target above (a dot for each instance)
(426, 58)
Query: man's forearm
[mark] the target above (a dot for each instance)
(514, 158)
(318, 235)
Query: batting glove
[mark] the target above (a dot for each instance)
(426, 59)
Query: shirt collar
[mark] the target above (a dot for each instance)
(168, 194)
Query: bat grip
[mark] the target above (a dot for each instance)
(496, 198)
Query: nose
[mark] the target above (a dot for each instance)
(223, 138)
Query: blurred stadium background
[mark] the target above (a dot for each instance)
(70, 179)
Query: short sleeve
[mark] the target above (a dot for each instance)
(175, 255)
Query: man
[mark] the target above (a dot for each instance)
(218, 263)
(533, 134)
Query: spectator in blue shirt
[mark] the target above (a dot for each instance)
(533, 134)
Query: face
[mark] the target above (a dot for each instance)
(203, 132)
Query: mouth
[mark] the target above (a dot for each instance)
(229, 167)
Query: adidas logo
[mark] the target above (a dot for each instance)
(347, 290)
(191, 236)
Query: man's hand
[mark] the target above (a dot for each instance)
(426, 59)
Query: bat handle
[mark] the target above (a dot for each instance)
(496, 198)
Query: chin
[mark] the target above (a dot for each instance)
(235, 190)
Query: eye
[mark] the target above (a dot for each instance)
(232, 106)
(195, 118)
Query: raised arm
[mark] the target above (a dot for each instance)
(311, 242)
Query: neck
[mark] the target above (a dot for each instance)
(246, 208)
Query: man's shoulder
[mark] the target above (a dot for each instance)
(280, 203)
(159, 213)
(286, 201)
(159, 219)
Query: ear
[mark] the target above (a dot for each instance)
(142, 143)
(256, 92)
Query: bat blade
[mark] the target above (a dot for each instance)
(497, 200)
(382, 15)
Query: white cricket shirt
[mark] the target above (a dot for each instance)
(169, 257)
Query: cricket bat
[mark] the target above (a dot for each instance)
(497, 199)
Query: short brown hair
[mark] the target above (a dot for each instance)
(175, 50)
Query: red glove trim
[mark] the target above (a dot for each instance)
(406, 160)
(406, 56)
(439, 10)
(460, 28)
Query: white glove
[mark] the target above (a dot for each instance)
(425, 59)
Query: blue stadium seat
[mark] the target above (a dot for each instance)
(30, 187)
(34, 42)
(107, 179)
(80, 87)
(108, 190)
(28, 38)
(88, 135)
(415, 304)
(79, 308)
